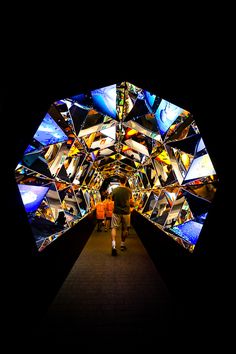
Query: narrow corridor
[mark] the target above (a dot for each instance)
(105, 296)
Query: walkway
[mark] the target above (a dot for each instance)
(106, 299)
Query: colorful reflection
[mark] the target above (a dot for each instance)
(90, 138)
(32, 196)
(166, 114)
(49, 132)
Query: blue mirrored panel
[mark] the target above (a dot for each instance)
(49, 132)
(189, 231)
(32, 196)
(166, 114)
(104, 100)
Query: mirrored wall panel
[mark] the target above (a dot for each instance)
(91, 138)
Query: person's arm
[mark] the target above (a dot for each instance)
(131, 201)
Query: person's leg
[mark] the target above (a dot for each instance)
(107, 224)
(113, 237)
(99, 225)
(124, 230)
(113, 242)
(115, 221)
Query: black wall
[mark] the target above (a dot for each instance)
(51, 267)
(201, 282)
(30, 282)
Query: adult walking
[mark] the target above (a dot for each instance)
(122, 197)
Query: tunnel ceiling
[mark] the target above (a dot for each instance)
(117, 130)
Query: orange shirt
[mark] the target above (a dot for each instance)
(100, 211)
(109, 206)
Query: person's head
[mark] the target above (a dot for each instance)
(61, 214)
(123, 180)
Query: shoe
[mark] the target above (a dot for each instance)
(114, 252)
(105, 230)
(123, 248)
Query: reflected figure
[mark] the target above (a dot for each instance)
(71, 210)
(61, 219)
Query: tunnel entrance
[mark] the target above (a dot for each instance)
(86, 142)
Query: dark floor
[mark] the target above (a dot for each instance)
(130, 303)
(104, 297)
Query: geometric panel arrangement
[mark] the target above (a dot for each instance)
(108, 132)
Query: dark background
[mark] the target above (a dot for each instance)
(191, 82)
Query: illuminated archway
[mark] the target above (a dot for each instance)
(111, 131)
